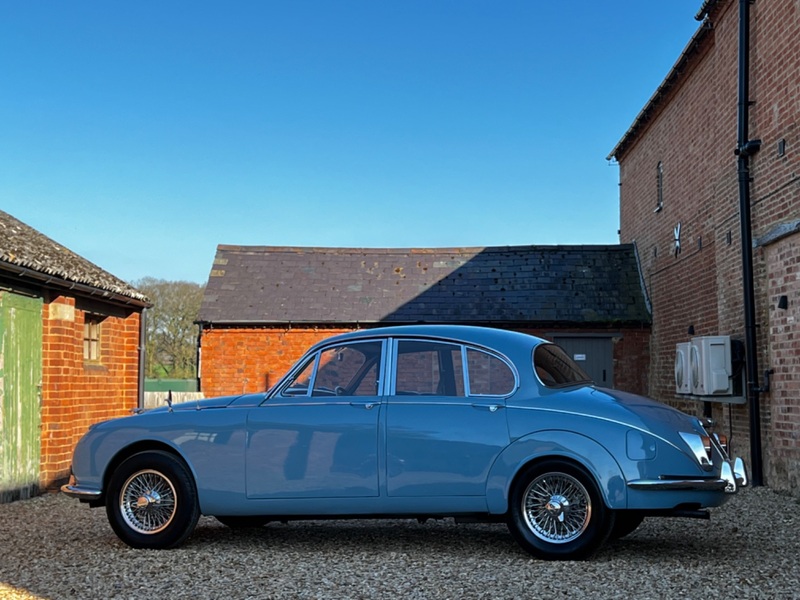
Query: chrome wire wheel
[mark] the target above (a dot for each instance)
(148, 501)
(556, 507)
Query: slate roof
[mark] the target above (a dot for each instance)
(512, 284)
(29, 254)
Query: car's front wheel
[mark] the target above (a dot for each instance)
(151, 501)
(556, 512)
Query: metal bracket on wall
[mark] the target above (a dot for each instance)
(764, 389)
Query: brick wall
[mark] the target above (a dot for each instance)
(783, 457)
(238, 360)
(75, 393)
(693, 132)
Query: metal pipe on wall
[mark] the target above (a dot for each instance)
(142, 355)
(744, 150)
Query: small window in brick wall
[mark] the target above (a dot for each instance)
(91, 338)
(659, 186)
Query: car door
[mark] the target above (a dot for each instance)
(442, 437)
(317, 437)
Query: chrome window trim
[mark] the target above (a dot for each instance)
(393, 353)
(465, 371)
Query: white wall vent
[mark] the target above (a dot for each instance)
(710, 366)
(682, 384)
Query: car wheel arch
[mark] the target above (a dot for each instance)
(535, 448)
(138, 447)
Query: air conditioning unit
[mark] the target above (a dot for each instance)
(682, 384)
(710, 366)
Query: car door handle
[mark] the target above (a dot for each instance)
(489, 407)
(367, 405)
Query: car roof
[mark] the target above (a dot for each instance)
(483, 336)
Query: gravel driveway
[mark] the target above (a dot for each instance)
(53, 547)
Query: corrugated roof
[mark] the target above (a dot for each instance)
(512, 284)
(32, 252)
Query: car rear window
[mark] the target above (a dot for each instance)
(555, 369)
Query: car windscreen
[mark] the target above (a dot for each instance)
(555, 368)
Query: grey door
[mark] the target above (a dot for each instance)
(595, 355)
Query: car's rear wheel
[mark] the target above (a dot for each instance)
(557, 513)
(243, 522)
(151, 501)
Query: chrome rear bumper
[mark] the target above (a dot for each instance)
(732, 476)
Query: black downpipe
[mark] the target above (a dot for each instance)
(198, 354)
(745, 149)
(142, 355)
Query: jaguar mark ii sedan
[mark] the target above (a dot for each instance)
(412, 421)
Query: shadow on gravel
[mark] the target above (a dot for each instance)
(657, 539)
(368, 536)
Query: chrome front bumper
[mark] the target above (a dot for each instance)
(732, 476)
(81, 493)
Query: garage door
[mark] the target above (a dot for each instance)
(595, 355)
(20, 388)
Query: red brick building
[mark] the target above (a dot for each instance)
(263, 306)
(69, 355)
(680, 198)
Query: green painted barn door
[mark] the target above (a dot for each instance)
(20, 389)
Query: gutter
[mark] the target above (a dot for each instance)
(52, 281)
(669, 82)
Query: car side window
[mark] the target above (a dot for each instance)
(346, 370)
(299, 384)
(488, 374)
(429, 369)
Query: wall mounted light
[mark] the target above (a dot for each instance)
(783, 302)
(691, 330)
(781, 147)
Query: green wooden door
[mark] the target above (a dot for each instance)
(20, 389)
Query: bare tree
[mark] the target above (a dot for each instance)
(171, 347)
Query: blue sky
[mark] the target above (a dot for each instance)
(142, 134)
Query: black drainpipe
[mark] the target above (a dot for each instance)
(142, 355)
(198, 354)
(744, 150)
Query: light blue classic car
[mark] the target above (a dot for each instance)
(414, 421)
